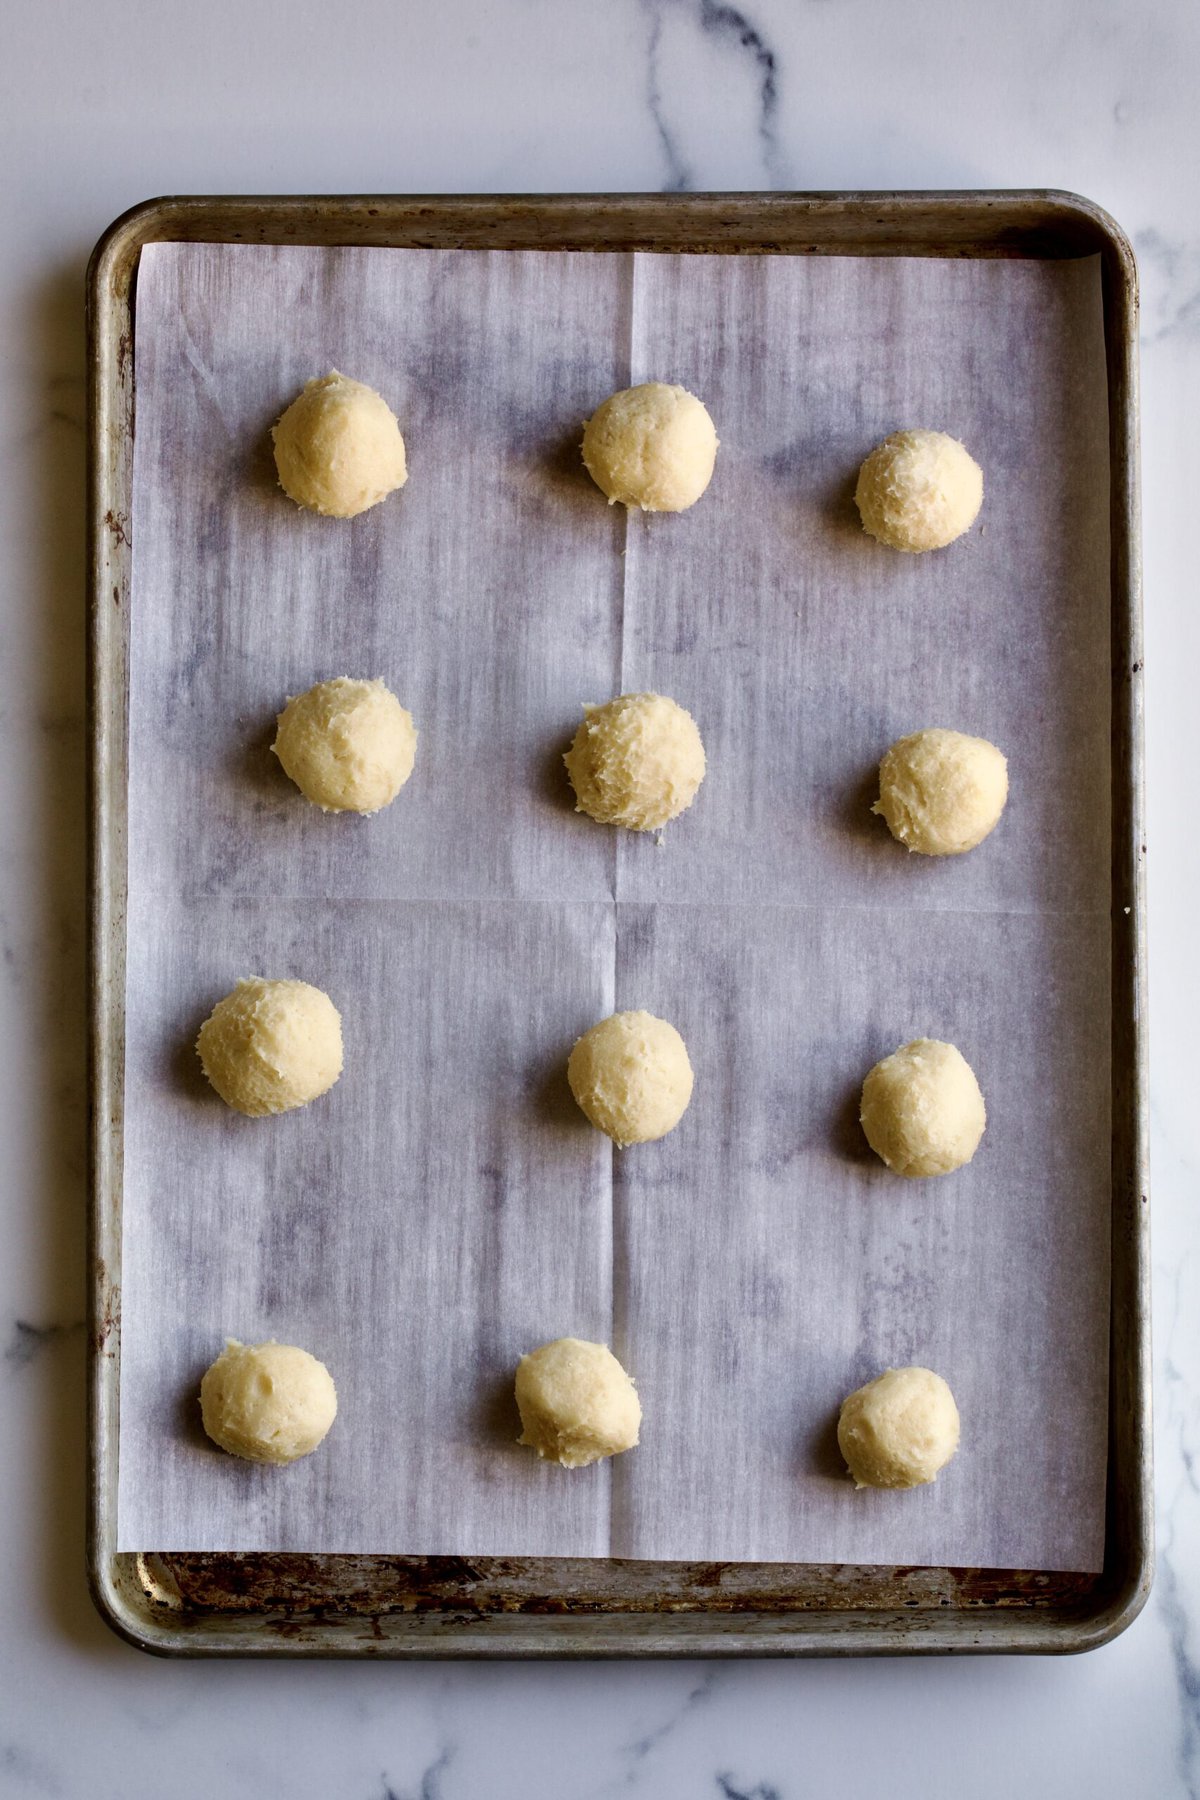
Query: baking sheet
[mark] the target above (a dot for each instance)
(445, 1207)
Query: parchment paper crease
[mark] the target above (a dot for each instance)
(446, 1207)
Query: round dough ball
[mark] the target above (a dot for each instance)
(631, 1076)
(922, 1110)
(576, 1403)
(269, 1402)
(941, 791)
(651, 446)
(347, 745)
(271, 1046)
(338, 447)
(636, 761)
(919, 490)
(898, 1430)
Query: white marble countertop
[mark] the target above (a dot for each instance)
(105, 104)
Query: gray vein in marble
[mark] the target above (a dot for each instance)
(641, 1747)
(1171, 1596)
(18, 1769)
(1171, 289)
(1173, 1607)
(729, 1791)
(679, 177)
(731, 28)
(430, 1786)
(27, 1340)
(1174, 1377)
(729, 23)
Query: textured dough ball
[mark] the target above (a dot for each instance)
(636, 761)
(271, 1046)
(898, 1430)
(338, 447)
(922, 1110)
(941, 791)
(347, 745)
(267, 1402)
(576, 1403)
(919, 490)
(631, 1076)
(651, 446)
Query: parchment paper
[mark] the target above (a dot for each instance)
(446, 1207)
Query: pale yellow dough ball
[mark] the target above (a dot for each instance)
(631, 1076)
(576, 1403)
(348, 745)
(919, 490)
(651, 446)
(922, 1111)
(270, 1046)
(338, 447)
(941, 792)
(899, 1430)
(636, 761)
(269, 1403)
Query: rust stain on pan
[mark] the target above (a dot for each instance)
(374, 1587)
(108, 1315)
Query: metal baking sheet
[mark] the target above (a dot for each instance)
(698, 240)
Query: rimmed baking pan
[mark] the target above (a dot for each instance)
(258, 1603)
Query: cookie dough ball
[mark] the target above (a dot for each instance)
(270, 1403)
(899, 1430)
(347, 745)
(271, 1046)
(576, 1403)
(636, 761)
(941, 791)
(338, 447)
(631, 1076)
(651, 446)
(919, 490)
(922, 1110)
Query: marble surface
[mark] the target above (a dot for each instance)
(104, 104)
